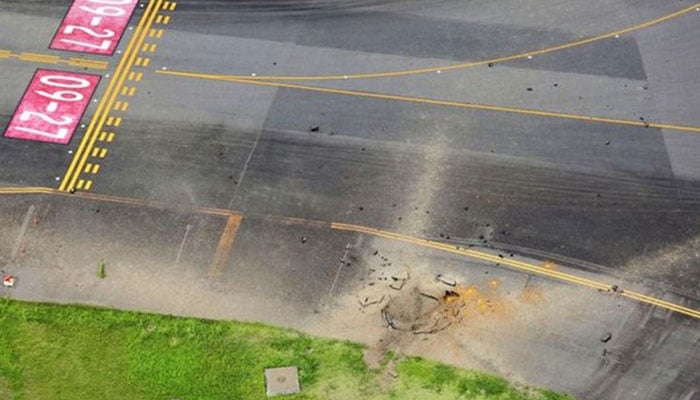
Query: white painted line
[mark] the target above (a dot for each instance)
(95, 21)
(52, 107)
(22, 231)
(182, 244)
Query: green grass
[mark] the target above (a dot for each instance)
(72, 352)
(101, 273)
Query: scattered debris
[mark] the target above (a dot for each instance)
(404, 276)
(387, 320)
(428, 295)
(529, 89)
(315, 128)
(8, 281)
(368, 301)
(397, 285)
(446, 281)
(304, 239)
(606, 337)
(616, 289)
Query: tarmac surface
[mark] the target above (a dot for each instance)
(560, 131)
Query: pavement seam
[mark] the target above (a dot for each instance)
(437, 102)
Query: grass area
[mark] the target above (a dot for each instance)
(72, 352)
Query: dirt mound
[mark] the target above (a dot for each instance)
(423, 311)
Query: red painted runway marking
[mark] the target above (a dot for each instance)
(52, 106)
(93, 26)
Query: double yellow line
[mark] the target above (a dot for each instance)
(51, 59)
(107, 101)
(26, 190)
(234, 219)
(530, 268)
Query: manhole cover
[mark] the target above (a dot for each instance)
(280, 381)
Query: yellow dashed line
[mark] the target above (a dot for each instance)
(166, 20)
(135, 76)
(139, 61)
(95, 151)
(172, 6)
(132, 91)
(146, 61)
(88, 167)
(117, 105)
(159, 33)
(159, 19)
(103, 153)
(124, 106)
(96, 168)
(110, 137)
(5, 53)
(108, 99)
(88, 185)
(81, 183)
(102, 137)
(110, 121)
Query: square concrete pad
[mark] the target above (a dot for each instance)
(283, 380)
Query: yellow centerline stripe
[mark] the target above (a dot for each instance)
(448, 103)
(473, 254)
(513, 57)
(51, 59)
(662, 303)
(38, 57)
(101, 115)
(380, 233)
(519, 265)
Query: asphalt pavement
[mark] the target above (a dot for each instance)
(547, 129)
